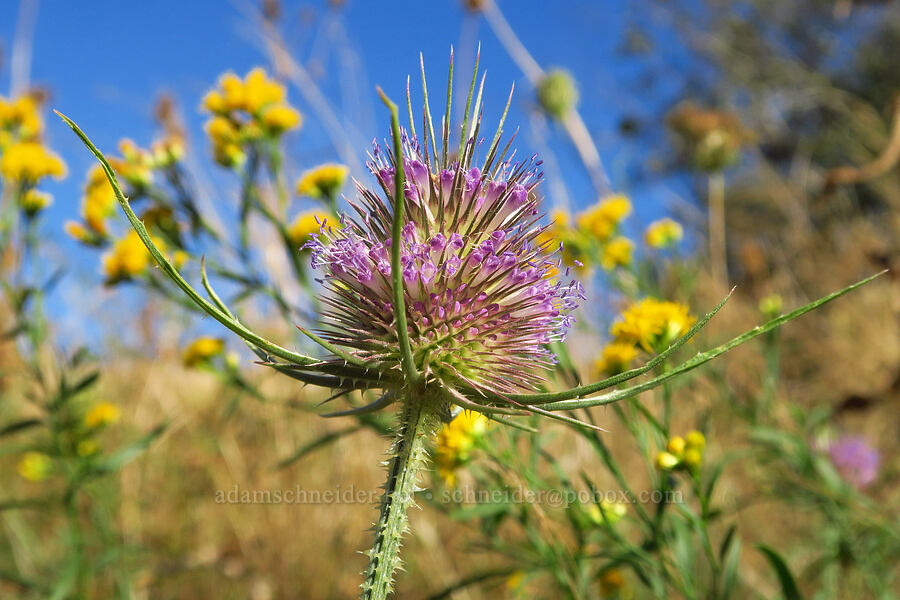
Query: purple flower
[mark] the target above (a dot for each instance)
(483, 297)
(855, 460)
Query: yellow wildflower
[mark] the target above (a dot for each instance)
(260, 91)
(455, 442)
(324, 181)
(201, 350)
(225, 139)
(695, 439)
(663, 233)
(136, 164)
(279, 118)
(179, 258)
(676, 446)
(616, 357)
(128, 258)
(167, 151)
(666, 461)
(246, 110)
(602, 219)
(307, 224)
(102, 413)
(652, 323)
(98, 202)
(232, 92)
(35, 466)
(34, 201)
(693, 458)
(515, 580)
(682, 452)
(22, 116)
(30, 162)
(214, 102)
(616, 253)
(78, 232)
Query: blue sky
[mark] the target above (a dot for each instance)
(105, 62)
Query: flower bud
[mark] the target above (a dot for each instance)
(35, 466)
(676, 445)
(34, 201)
(695, 439)
(771, 306)
(666, 461)
(557, 93)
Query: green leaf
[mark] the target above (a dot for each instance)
(570, 400)
(319, 442)
(730, 554)
(785, 578)
(25, 503)
(19, 426)
(119, 459)
(84, 383)
(67, 578)
(631, 373)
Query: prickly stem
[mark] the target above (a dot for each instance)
(418, 423)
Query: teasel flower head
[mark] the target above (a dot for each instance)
(483, 295)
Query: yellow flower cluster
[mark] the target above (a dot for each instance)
(652, 324)
(136, 166)
(616, 357)
(101, 414)
(97, 204)
(35, 466)
(29, 162)
(202, 350)
(594, 236)
(682, 452)
(128, 258)
(246, 110)
(663, 233)
(616, 253)
(167, 151)
(34, 201)
(20, 119)
(455, 442)
(324, 181)
(24, 160)
(603, 218)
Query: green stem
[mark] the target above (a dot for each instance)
(76, 541)
(418, 423)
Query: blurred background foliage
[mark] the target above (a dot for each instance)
(770, 131)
